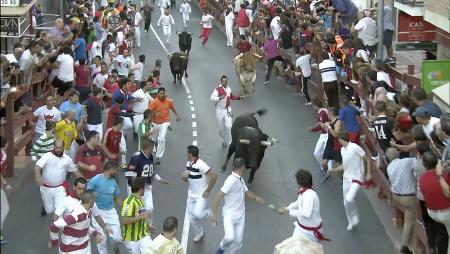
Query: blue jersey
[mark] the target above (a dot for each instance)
(141, 166)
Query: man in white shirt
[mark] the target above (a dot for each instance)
(27, 62)
(185, 9)
(141, 104)
(95, 50)
(424, 118)
(197, 171)
(234, 191)
(138, 69)
(50, 173)
(367, 31)
(47, 112)
(303, 65)
(123, 63)
(275, 25)
(229, 23)
(163, 6)
(137, 28)
(65, 77)
(353, 166)
(110, 52)
(306, 209)
(166, 21)
(329, 80)
(100, 78)
(206, 22)
(166, 242)
(222, 97)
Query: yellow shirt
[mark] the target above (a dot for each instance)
(67, 132)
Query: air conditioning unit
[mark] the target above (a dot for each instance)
(10, 3)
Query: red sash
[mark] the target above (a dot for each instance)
(364, 184)
(316, 231)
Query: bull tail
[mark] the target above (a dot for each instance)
(260, 112)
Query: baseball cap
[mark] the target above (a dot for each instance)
(421, 112)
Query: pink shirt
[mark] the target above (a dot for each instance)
(272, 49)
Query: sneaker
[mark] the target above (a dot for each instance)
(219, 251)
(349, 227)
(199, 237)
(124, 166)
(389, 61)
(308, 103)
(43, 212)
(3, 240)
(157, 162)
(267, 82)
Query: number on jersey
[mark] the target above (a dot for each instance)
(379, 129)
(147, 170)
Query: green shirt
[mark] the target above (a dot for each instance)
(132, 207)
(144, 127)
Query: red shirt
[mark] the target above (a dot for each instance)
(114, 111)
(111, 88)
(113, 138)
(432, 192)
(82, 76)
(90, 157)
(322, 117)
(244, 46)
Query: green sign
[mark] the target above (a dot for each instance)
(435, 73)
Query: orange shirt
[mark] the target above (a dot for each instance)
(160, 110)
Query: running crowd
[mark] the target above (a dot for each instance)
(93, 71)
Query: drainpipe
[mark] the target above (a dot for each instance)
(380, 23)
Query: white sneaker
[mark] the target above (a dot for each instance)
(199, 237)
(349, 227)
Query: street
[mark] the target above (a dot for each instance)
(286, 120)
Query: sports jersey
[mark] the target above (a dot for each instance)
(196, 177)
(383, 126)
(113, 140)
(132, 207)
(141, 166)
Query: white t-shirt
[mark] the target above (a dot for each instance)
(383, 76)
(429, 127)
(328, 70)
(68, 205)
(27, 59)
(197, 178)
(55, 169)
(122, 65)
(306, 210)
(66, 69)
(304, 63)
(234, 188)
(207, 21)
(96, 49)
(352, 159)
(367, 31)
(141, 106)
(138, 70)
(111, 49)
(100, 79)
(11, 58)
(44, 114)
(275, 27)
(364, 54)
(137, 19)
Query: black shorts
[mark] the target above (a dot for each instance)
(62, 86)
(387, 38)
(330, 154)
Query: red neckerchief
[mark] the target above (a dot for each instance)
(74, 195)
(193, 162)
(302, 190)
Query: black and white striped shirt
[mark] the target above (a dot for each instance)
(328, 70)
(401, 175)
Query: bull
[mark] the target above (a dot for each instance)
(178, 65)
(248, 142)
(245, 65)
(185, 41)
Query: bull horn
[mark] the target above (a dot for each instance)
(275, 140)
(266, 143)
(244, 141)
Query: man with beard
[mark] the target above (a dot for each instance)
(50, 173)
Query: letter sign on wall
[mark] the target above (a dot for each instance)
(414, 29)
(10, 27)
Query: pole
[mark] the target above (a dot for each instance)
(380, 22)
(61, 9)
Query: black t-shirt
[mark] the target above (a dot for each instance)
(286, 39)
(147, 11)
(383, 129)
(94, 111)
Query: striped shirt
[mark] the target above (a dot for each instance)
(75, 231)
(401, 175)
(44, 144)
(132, 207)
(198, 182)
(328, 70)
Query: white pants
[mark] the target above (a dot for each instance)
(4, 207)
(197, 212)
(167, 30)
(306, 233)
(127, 125)
(441, 216)
(185, 19)
(123, 150)
(73, 150)
(52, 196)
(224, 120)
(159, 135)
(234, 231)
(229, 32)
(97, 127)
(244, 30)
(137, 119)
(137, 36)
(111, 219)
(148, 199)
(320, 147)
(138, 247)
(349, 191)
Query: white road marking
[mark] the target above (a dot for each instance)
(194, 133)
(193, 116)
(187, 223)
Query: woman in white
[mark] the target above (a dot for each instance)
(229, 22)
(306, 209)
(166, 21)
(185, 9)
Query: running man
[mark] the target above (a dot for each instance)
(234, 192)
(160, 107)
(185, 9)
(166, 21)
(206, 23)
(222, 97)
(197, 171)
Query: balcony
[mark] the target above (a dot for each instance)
(437, 12)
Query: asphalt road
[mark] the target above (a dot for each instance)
(287, 119)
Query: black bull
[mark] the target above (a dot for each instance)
(178, 65)
(248, 142)
(185, 41)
